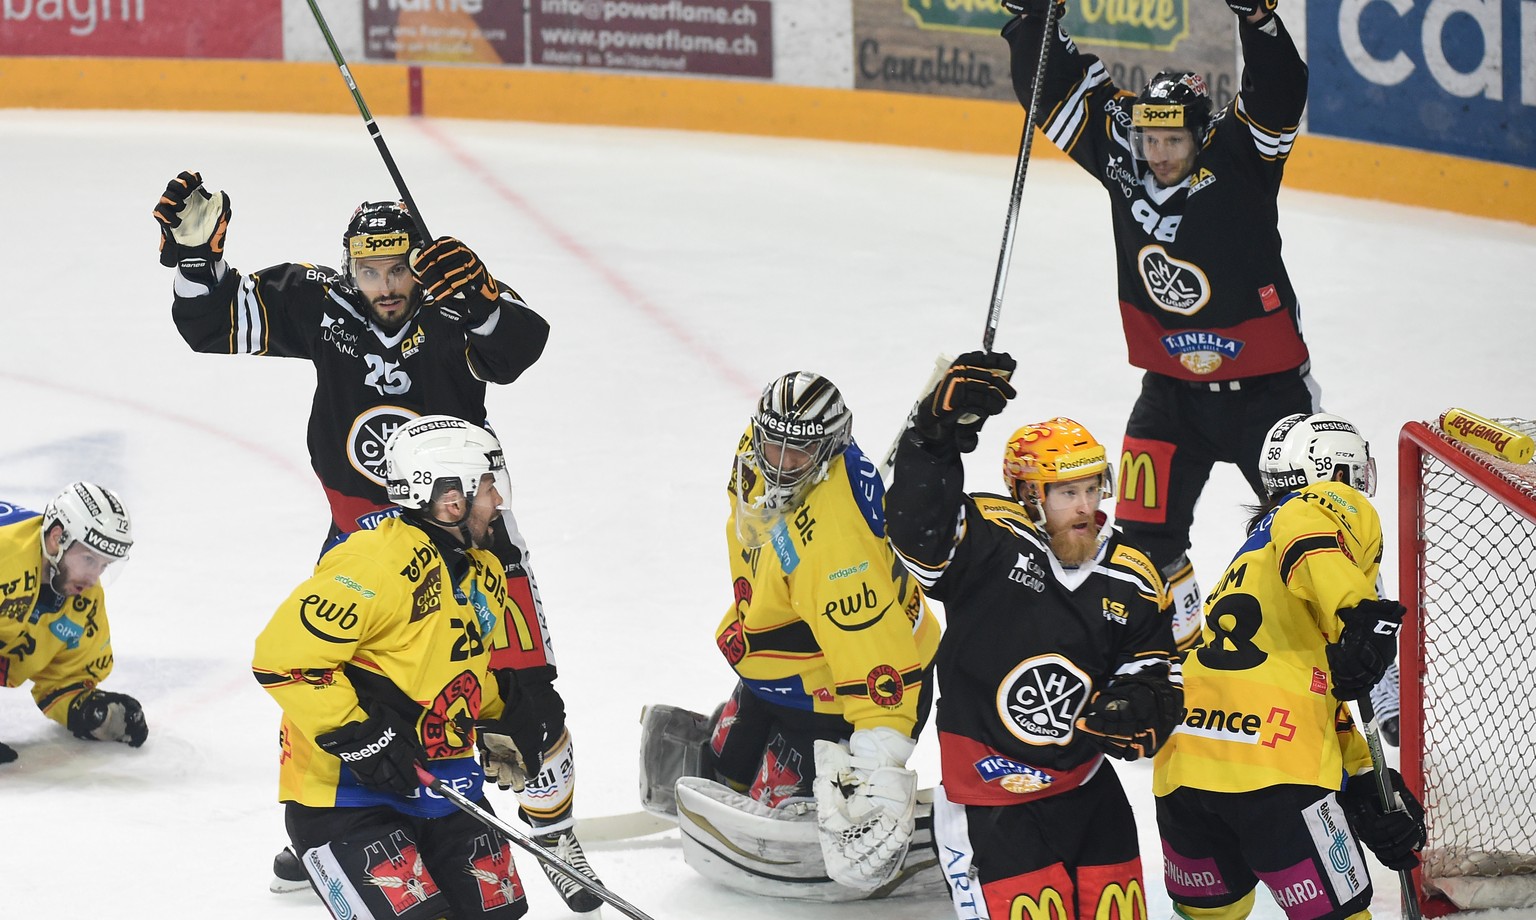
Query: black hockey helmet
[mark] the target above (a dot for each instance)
(377, 228)
(1172, 99)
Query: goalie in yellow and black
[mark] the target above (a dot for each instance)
(832, 642)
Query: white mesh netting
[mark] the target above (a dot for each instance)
(1477, 572)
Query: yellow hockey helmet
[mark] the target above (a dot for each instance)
(1055, 450)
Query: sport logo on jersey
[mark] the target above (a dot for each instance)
(370, 431)
(1040, 697)
(1173, 284)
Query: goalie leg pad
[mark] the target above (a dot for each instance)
(672, 744)
(741, 844)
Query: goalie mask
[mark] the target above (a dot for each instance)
(1302, 449)
(93, 517)
(1055, 450)
(429, 457)
(800, 425)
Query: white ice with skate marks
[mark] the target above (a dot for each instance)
(680, 272)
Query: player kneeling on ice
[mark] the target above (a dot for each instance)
(1057, 650)
(1267, 778)
(798, 786)
(381, 661)
(53, 617)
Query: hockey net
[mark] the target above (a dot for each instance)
(1467, 542)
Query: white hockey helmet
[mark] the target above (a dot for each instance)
(92, 515)
(431, 455)
(1302, 449)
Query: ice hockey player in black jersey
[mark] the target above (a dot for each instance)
(1205, 299)
(405, 328)
(1057, 651)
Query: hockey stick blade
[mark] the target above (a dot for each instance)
(940, 366)
(618, 828)
(544, 856)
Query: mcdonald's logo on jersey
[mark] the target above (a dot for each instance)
(1144, 472)
(1050, 906)
(1117, 902)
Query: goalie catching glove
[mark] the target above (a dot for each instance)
(1133, 716)
(865, 799)
(1366, 647)
(975, 387)
(193, 224)
(97, 715)
(1395, 836)
(454, 278)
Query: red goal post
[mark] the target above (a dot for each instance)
(1467, 574)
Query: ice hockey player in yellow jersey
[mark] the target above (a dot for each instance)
(832, 644)
(53, 618)
(1266, 778)
(380, 661)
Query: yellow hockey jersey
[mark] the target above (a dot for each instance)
(61, 644)
(825, 617)
(1259, 710)
(382, 623)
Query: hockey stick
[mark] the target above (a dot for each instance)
(1411, 909)
(940, 365)
(1020, 168)
(373, 128)
(621, 827)
(1010, 230)
(527, 843)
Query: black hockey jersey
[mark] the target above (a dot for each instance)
(367, 383)
(1027, 642)
(1204, 294)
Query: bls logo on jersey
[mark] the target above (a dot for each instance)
(370, 431)
(1040, 697)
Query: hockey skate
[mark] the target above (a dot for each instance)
(287, 873)
(1386, 701)
(565, 845)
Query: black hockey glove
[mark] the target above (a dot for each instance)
(1395, 836)
(382, 752)
(512, 746)
(7, 753)
(193, 224)
(454, 278)
(1366, 647)
(1246, 8)
(975, 386)
(1133, 716)
(97, 715)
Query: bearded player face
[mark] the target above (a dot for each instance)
(388, 288)
(1071, 518)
